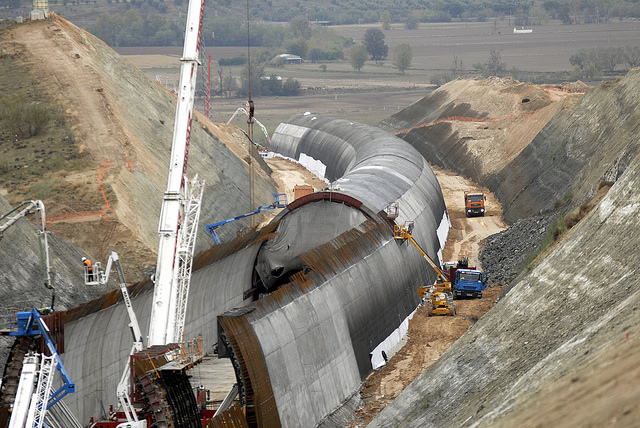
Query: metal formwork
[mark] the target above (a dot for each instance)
(307, 345)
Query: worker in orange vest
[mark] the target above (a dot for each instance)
(88, 269)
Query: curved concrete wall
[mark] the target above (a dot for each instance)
(317, 346)
(317, 333)
(97, 346)
(373, 167)
(317, 350)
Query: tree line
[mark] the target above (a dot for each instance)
(591, 62)
(145, 24)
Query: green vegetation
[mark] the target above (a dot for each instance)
(236, 60)
(24, 119)
(298, 33)
(563, 224)
(385, 20)
(300, 27)
(494, 66)
(132, 29)
(374, 42)
(254, 80)
(37, 146)
(358, 56)
(595, 61)
(402, 57)
(154, 23)
(411, 22)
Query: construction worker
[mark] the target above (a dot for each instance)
(88, 269)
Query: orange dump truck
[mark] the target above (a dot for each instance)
(474, 204)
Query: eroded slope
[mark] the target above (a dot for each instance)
(561, 348)
(478, 127)
(556, 344)
(124, 121)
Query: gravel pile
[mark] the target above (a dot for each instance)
(504, 255)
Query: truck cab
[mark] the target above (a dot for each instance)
(474, 204)
(469, 283)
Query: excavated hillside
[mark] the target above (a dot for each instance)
(482, 128)
(122, 125)
(554, 351)
(561, 347)
(101, 166)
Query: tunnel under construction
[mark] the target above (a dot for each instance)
(305, 306)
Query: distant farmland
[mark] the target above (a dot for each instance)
(547, 49)
(380, 90)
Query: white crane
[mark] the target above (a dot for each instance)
(179, 216)
(25, 208)
(181, 204)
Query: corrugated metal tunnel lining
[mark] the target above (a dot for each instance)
(346, 294)
(314, 339)
(323, 216)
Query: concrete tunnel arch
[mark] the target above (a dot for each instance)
(278, 258)
(361, 289)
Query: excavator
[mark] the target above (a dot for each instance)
(437, 298)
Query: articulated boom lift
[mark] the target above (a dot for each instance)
(280, 201)
(438, 297)
(101, 276)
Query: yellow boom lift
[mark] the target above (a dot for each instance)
(438, 297)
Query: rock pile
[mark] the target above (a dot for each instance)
(505, 254)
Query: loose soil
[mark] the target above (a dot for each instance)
(466, 234)
(429, 337)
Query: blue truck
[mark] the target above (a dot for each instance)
(466, 281)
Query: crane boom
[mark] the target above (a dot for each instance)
(280, 201)
(160, 330)
(403, 232)
(438, 296)
(31, 324)
(22, 210)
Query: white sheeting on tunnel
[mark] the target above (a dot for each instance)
(377, 360)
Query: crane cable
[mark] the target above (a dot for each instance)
(250, 111)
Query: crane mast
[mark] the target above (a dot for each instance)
(162, 328)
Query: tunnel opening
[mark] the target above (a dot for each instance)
(309, 222)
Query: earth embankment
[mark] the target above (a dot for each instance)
(480, 127)
(124, 122)
(557, 350)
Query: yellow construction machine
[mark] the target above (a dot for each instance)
(438, 297)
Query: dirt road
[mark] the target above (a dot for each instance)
(430, 337)
(287, 174)
(467, 233)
